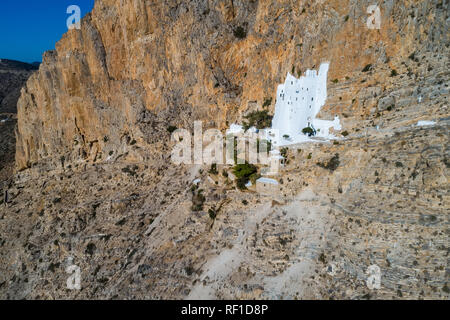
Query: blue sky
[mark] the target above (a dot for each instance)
(30, 27)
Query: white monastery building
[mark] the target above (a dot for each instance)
(297, 105)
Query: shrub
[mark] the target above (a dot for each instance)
(189, 270)
(241, 182)
(322, 258)
(243, 173)
(367, 68)
(240, 32)
(267, 102)
(332, 164)
(171, 129)
(212, 213)
(130, 170)
(259, 119)
(244, 170)
(335, 81)
(309, 131)
(283, 152)
(345, 133)
(198, 199)
(213, 169)
(255, 176)
(394, 73)
(413, 57)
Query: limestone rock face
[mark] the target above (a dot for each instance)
(137, 66)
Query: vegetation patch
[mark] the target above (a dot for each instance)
(240, 32)
(213, 169)
(171, 129)
(332, 164)
(267, 102)
(212, 213)
(259, 119)
(308, 131)
(130, 170)
(198, 199)
(244, 173)
(90, 249)
(367, 68)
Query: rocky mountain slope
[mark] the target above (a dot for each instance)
(13, 75)
(95, 184)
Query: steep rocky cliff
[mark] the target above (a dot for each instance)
(95, 182)
(135, 67)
